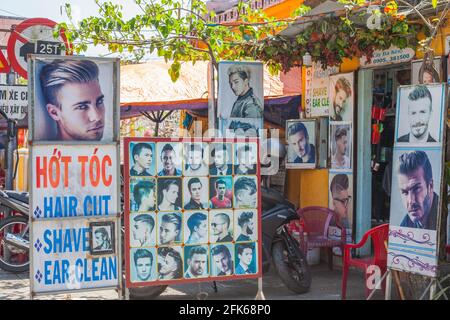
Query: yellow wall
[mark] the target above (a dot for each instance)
(283, 9)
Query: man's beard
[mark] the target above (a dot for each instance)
(419, 133)
(249, 231)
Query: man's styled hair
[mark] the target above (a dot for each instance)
(164, 184)
(142, 253)
(245, 217)
(340, 132)
(197, 250)
(298, 127)
(137, 148)
(60, 72)
(420, 92)
(142, 189)
(220, 181)
(167, 147)
(147, 219)
(242, 246)
(171, 252)
(192, 181)
(427, 68)
(242, 71)
(195, 220)
(244, 183)
(220, 148)
(411, 161)
(339, 183)
(343, 84)
(195, 147)
(103, 231)
(225, 217)
(172, 218)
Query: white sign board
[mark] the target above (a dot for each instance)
(62, 257)
(75, 233)
(72, 187)
(386, 57)
(14, 101)
(319, 93)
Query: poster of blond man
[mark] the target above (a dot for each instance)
(75, 98)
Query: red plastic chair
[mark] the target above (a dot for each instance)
(315, 221)
(379, 237)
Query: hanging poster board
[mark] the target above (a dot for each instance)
(240, 104)
(417, 179)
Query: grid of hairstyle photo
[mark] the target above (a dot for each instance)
(192, 210)
(301, 141)
(417, 172)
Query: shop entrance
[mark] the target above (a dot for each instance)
(384, 101)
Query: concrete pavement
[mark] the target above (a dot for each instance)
(326, 285)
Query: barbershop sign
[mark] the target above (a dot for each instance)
(14, 101)
(390, 56)
(75, 186)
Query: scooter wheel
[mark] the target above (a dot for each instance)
(18, 260)
(295, 274)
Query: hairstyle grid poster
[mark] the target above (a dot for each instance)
(185, 222)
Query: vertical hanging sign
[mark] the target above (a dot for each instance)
(75, 174)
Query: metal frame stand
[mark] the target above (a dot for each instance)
(260, 293)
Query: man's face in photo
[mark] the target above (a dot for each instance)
(249, 226)
(247, 158)
(238, 85)
(202, 229)
(99, 238)
(144, 158)
(341, 200)
(195, 159)
(415, 194)
(246, 197)
(298, 142)
(144, 268)
(246, 256)
(340, 98)
(222, 262)
(419, 112)
(427, 77)
(341, 145)
(168, 159)
(221, 189)
(171, 194)
(141, 230)
(220, 157)
(81, 111)
(197, 264)
(148, 200)
(167, 265)
(219, 226)
(196, 191)
(168, 232)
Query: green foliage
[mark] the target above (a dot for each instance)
(179, 34)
